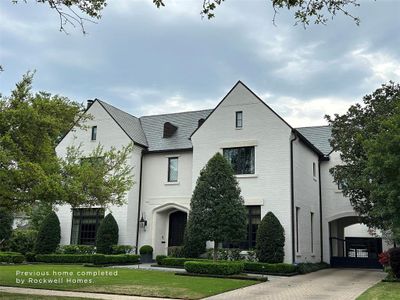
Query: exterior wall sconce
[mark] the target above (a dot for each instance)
(143, 222)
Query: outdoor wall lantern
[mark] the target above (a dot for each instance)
(143, 222)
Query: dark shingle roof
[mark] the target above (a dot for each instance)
(186, 122)
(318, 136)
(130, 124)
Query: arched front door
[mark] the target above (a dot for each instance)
(177, 224)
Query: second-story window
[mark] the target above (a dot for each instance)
(242, 159)
(239, 119)
(314, 170)
(94, 133)
(172, 169)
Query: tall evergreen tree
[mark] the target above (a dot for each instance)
(107, 235)
(6, 221)
(270, 240)
(49, 235)
(217, 210)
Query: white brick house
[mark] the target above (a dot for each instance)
(279, 168)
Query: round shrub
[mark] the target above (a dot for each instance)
(146, 249)
(107, 235)
(270, 240)
(49, 235)
(215, 268)
(23, 240)
(394, 261)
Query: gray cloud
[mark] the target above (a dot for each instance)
(147, 60)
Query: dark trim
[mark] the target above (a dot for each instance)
(309, 144)
(112, 117)
(320, 212)
(292, 195)
(169, 168)
(139, 202)
(168, 150)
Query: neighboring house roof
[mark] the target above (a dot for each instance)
(186, 122)
(319, 136)
(128, 123)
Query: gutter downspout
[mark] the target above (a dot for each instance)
(320, 212)
(139, 202)
(292, 194)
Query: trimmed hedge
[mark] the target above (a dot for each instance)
(304, 268)
(11, 257)
(178, 261)
(280, 268)
(160, 258)
(65, 258)
(215, 268)
(76, 249)
(99, 259)
(121, 249)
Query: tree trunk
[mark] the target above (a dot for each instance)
(215, 250)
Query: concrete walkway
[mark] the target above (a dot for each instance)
(337, 284)
(42, 292)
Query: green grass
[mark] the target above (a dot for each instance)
(13, 296)
(382, 291)
(127, 281)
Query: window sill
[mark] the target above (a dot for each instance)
(315, 179)
(312, 255)
(246, 176)
(238, 128)
(298, 254)
(171, 183)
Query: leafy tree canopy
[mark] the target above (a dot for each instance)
(368, 140)
(216, 209)
(31, 125)
(305, 11)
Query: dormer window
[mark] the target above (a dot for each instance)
(94, 133)
(169, 130)
(239, 119)
(200, 122)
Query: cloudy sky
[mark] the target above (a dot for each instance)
(147, 60)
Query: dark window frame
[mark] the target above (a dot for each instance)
(94, 133)
(314, 169)
(312, 231)
(253, 211)
(85, 237)
(297, 229)
(169, 169)
(242, 168)
(239, 119)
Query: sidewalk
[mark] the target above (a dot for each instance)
(42, 292)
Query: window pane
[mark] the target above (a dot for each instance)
(94, 133)
(239, 119)
(172, 169)
(241, 159)
(85, 222)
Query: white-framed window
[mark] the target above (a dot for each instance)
(239, 119)
(172, 169)
(314, 170)
(242, 159)
(94, 133)
(297, 229)
(312, 231)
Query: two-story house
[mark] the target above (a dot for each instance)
(279, 168)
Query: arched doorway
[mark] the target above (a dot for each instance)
(352, 251)
(176, 229)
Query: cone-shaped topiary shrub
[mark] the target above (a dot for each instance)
(107, 235)
(394, 260)
(270, 240)
(49, 235)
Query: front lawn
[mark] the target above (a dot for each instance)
(125, 281)
(382, 291)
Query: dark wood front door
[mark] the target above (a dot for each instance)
(177, 224)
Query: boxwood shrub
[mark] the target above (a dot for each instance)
(178, 261)
(119, 259)
(146, 249)
(215, 268)
(280, 268)
(160, 258)
(11, 257)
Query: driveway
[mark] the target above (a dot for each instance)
(335, 284)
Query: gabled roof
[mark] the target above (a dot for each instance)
(186, 122)
(128, 123)
(319, 136)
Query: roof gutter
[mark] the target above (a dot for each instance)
(292, 193)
